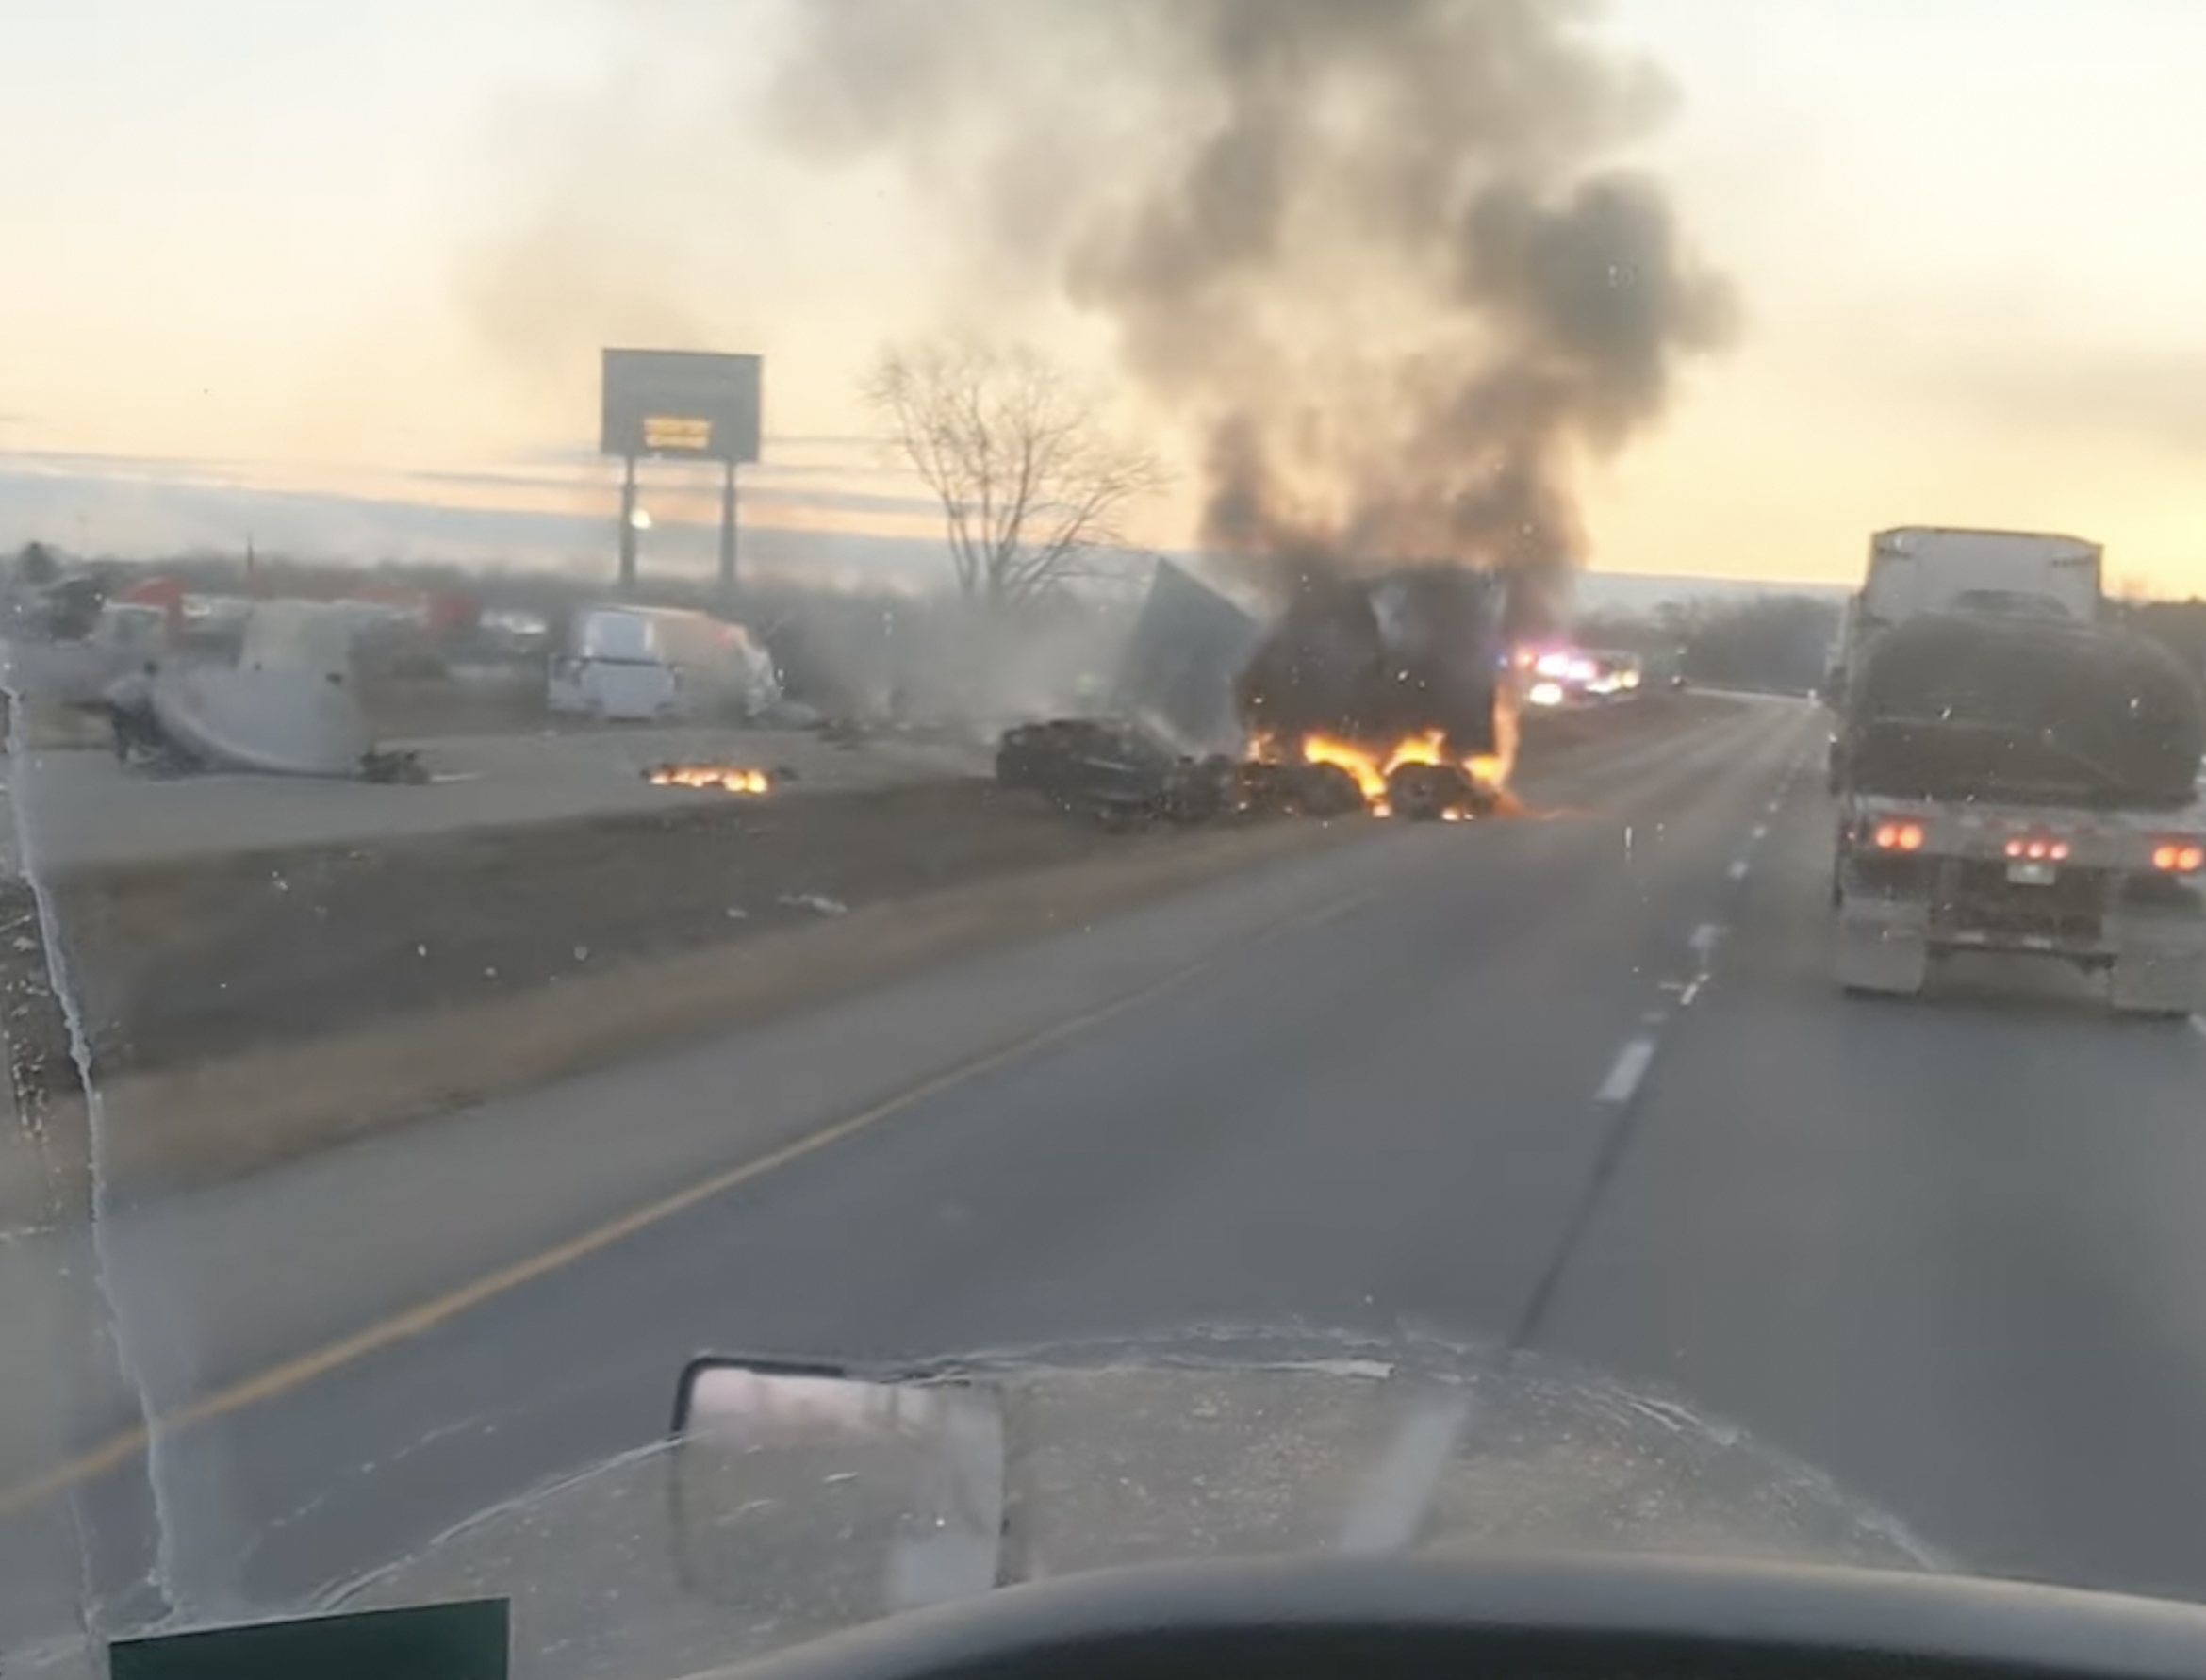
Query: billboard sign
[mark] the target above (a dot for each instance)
(681, 404)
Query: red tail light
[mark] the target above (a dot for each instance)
(2179, 857)
(1898, 836)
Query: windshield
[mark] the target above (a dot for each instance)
(866, 681)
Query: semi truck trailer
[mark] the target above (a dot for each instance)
(2011, 774)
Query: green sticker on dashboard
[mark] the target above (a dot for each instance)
(457, 1642)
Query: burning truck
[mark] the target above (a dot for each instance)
(1387, 693)
(1400, 681)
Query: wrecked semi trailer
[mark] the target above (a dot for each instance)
(1168, 745)
(1402, 679)
(1385, 692)
(1167, 749)
(1408, 653)
(1177, 672)
(286, 706)
(2021, 782)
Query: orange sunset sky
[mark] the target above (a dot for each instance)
(303, 268)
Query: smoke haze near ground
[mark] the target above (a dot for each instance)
(1379, 258)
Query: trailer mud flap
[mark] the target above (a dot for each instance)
(1883, 945)
(2160, 966)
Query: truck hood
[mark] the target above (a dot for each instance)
(672, 1561)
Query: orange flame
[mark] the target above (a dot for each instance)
(733, 779)
(1371, 767)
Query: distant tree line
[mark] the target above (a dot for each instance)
(2180, 625)
(1784, 642)
(1779, 643)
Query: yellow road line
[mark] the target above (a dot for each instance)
(416, 1321)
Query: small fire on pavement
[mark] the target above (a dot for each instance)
(735, 778)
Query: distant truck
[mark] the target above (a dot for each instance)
(2014, 775)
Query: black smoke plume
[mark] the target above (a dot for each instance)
(1377, 255)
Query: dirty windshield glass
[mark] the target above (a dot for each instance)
(899, 685)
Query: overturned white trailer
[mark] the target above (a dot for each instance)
(289, 706)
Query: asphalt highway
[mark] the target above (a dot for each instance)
(1578, 1083)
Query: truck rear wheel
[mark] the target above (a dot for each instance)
(1875, 958)
(2162, 980)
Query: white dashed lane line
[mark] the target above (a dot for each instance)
(1637, 1055)
(1745, 860)
(1627, 1074)
(1632, 1062)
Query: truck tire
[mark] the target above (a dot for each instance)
(2149, 981)
(1870, 962)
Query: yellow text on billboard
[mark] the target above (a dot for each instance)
(677, 431)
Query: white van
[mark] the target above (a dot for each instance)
(640, 664)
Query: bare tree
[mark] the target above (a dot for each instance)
(1032, 484)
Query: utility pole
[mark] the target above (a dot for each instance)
(628, 525)
(728, 533)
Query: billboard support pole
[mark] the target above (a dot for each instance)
(628, 525)
(678, 406)
(727, 532)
